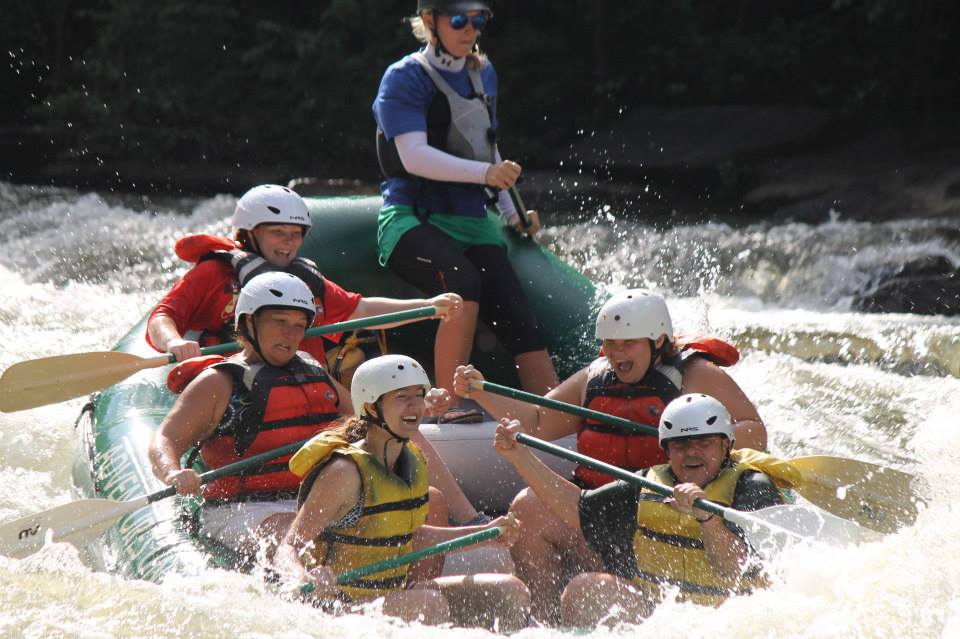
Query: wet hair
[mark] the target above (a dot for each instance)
(476, 59)
(243, 236)
(352, 428)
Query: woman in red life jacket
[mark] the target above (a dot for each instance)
(269, 222)
(266, 396)
(641, 369)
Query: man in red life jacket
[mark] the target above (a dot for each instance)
(642, 368)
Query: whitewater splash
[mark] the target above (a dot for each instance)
(78, 269)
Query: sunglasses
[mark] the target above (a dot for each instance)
(459, 21)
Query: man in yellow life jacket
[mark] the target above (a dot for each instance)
(652, 546)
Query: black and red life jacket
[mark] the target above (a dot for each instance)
(641, 402)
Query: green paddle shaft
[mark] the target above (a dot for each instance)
(520, 206)
(619, 473)
(232, 469)
(348, 576)
(564, 407)
(339, 327)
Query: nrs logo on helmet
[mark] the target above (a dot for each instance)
(694, 415)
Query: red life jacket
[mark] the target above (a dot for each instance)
(641, 402)
(270, 407)
(246, 265)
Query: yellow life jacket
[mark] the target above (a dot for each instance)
(393, 509)
(668, 545)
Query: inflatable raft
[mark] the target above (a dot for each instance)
(115, 427)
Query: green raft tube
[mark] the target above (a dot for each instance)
(115, 427)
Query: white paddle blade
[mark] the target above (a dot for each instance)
(49, 380)
(76, 522)
(772, 529)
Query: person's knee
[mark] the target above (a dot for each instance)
(592, 598)
(513, 607)
(584, 586)
(434, 607)
(426, 605)
(531, 510)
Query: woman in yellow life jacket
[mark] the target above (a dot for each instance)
(650, 545)
(365, 498)
(642, 367)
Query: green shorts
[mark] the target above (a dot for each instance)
(396, 220)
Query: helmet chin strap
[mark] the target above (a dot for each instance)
(254, 340)
(377, 420)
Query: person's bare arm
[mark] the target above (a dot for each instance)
(166, 336)
(192, 419)
(335, 491)
(544, 423)
(702, 376)
(449, 306)
(726, 551)
(559, 495)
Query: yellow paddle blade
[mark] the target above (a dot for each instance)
(878, 498)
(56, 379)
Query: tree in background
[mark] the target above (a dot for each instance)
(289, 84)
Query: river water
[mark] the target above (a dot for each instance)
(78, 269)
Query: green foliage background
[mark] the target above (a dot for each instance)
(291, 82)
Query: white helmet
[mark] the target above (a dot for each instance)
(383, 374)
(634, 314)
(275, 290)
(270, 204)
(693, 415)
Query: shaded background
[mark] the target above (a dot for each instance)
(692, 98)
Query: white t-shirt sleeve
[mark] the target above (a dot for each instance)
(419, 158)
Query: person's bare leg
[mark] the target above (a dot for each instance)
(458, 505)
(494, 602)
(424, 604)
(594, 598)
(453, 345)
(432, 567)
(542, 554)
(536, 372)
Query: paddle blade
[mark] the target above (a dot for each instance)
(49, 380)
(879, 498)
(771, 529)
(76, 522)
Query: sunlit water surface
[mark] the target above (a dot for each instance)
(78, 269)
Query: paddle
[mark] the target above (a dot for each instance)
(82, 521)
(563, 407)
(763, 527)
(881, 499)
(49, 380)
(520, 206)
(348, 576)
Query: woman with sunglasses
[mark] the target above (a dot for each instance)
(436, 143)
